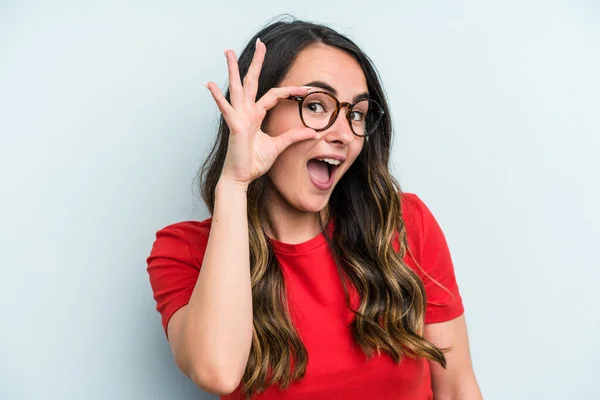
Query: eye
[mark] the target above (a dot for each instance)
(357, 116)
(315, 106)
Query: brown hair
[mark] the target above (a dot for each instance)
(366, 208)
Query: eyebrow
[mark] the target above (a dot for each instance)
(330, 89)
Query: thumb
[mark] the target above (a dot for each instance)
(292, 136)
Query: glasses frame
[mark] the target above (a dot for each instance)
(334, 116)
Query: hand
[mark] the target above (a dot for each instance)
(251, 152)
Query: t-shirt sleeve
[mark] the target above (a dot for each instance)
(444, 301)
(173, 268)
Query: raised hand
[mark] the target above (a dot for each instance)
(251, 152)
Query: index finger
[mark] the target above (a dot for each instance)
(272, 97)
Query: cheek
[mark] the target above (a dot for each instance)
(287, 168)
(355, 149)
(280, 119)
(283, 168)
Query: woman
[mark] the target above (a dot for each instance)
(316, 277)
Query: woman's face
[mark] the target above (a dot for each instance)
(301, 183)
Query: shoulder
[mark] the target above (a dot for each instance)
(174, 264)
(411, 206)
(187, 229)
(185, 239)
(433, 260)
(425, 237)
(414, 217)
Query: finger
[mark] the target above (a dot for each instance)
(221, 101)
(272, 97)
(236, 91)
(251, 78)
(292, 136)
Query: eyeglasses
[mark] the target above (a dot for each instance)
(319, 110)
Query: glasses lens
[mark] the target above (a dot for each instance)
(317, 109)
(365, 117)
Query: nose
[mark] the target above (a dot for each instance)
(340, 132)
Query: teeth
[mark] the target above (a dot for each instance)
(330, 161)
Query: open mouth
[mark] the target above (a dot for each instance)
(322, 171)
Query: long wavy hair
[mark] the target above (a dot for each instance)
(366, 209)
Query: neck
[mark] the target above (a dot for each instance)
(292, 225)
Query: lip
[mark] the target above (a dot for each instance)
(341, 159)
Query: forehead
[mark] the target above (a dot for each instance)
(330, 65)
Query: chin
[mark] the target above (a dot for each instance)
(312, 206)
(306, 201)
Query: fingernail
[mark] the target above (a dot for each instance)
(206, 84)
(257, 41)
(225, 52)
(306, 87)
(317, 136)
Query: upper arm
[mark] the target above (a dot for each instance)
(445, 324)
(457, 381)
(173, 269)
(432, 262)
(174, 330)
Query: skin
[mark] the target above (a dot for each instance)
(296, 203)
(458, 380)
(211, 336)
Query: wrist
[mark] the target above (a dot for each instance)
(231, 186)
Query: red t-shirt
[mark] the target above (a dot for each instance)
(337, 368)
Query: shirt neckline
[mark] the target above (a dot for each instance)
(303, 247)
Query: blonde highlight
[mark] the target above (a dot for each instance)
(366, 208)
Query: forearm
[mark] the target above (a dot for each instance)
(217, 331)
